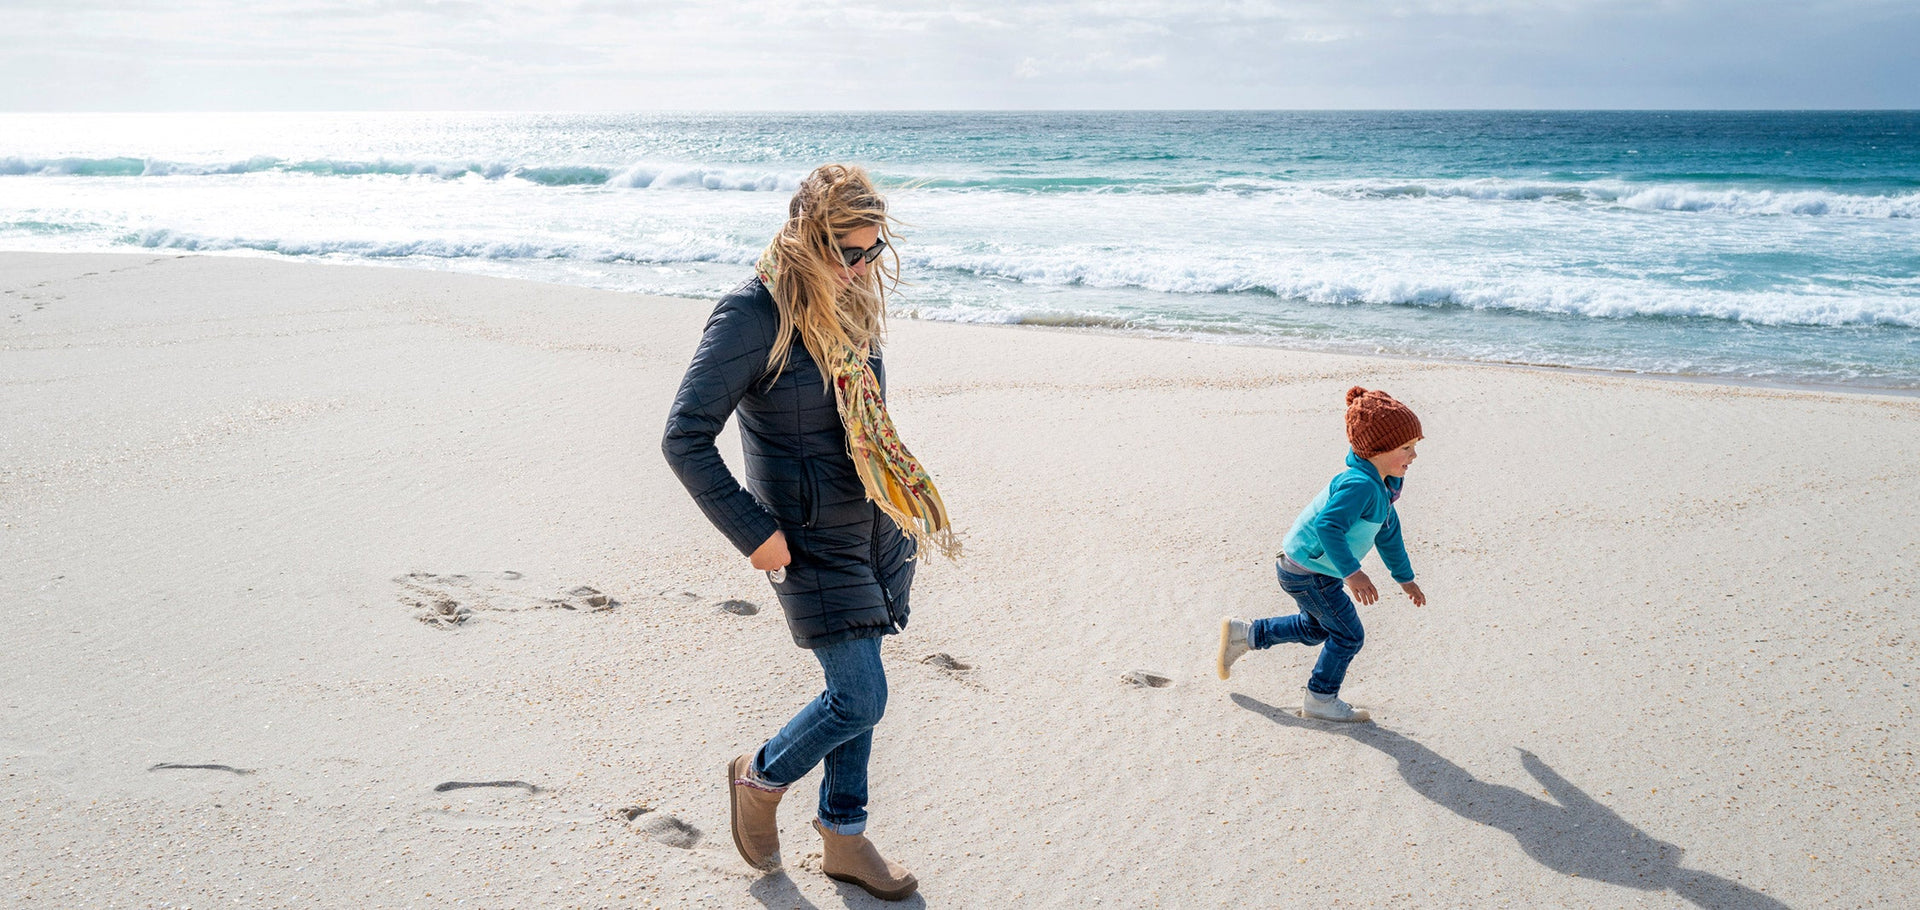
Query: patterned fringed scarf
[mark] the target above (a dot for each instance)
(893, 478)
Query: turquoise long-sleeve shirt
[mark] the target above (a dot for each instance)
(1351, 516)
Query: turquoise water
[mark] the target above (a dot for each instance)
(1763, 246)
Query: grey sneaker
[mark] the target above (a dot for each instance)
(1330, 707)
(1233, 643)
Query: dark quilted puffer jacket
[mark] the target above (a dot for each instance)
(851, 565)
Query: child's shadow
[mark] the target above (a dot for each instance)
(1572, 834)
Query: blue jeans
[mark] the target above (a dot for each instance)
(836, 727)
(1326, 615)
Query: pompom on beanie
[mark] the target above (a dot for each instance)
(1377, 423)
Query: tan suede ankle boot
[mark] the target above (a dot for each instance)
(852, 858)
(756, 832)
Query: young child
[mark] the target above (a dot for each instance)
(1351, 516)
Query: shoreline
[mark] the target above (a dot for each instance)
(1598, 372)
(1664, 658)
(1220, 338)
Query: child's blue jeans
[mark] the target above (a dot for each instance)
(837, 728)
(1326, 615)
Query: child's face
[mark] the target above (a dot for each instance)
(1394, 463)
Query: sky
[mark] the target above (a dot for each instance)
(621, 55)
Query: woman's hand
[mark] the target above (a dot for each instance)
(1413, 591)
(772, 554)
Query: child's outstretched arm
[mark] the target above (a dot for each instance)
(1393, 552)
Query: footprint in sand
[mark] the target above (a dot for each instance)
(627, 814)
(585, 596)
(944, 661)
(952, 669)
(734, 606)
(1145, 679)
(443, 613)
(171, 766)
(670, 831)
(445, 600)
(659, 826)
(463, 784)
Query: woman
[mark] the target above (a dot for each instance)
(794, 352)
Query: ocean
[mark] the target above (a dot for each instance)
(1779, 247)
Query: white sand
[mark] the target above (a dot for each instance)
(1669, 658)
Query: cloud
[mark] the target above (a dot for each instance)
(1097, 62)
(762, 54)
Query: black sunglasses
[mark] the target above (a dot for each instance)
(852, 255)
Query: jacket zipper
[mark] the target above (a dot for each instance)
(886, 596)
(808, 488)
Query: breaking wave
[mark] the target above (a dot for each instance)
(1696, 197)
(1343, 284)
(1653, 198)
(690, 251)
(1330, 283)
(634, 176)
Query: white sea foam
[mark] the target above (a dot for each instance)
(444, 248)
(1323, 281)
(1679, 197)
(662, 176)
(1668, 197)
(642, 175)
(1772, 202)
(1340, 282)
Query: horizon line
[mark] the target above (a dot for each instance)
(993, 110)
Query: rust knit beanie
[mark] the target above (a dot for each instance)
(1377, 423)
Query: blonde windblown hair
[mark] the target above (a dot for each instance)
(805, 270)
(839, 322)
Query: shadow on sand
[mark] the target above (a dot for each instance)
(1571, 834)
(777, 891)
